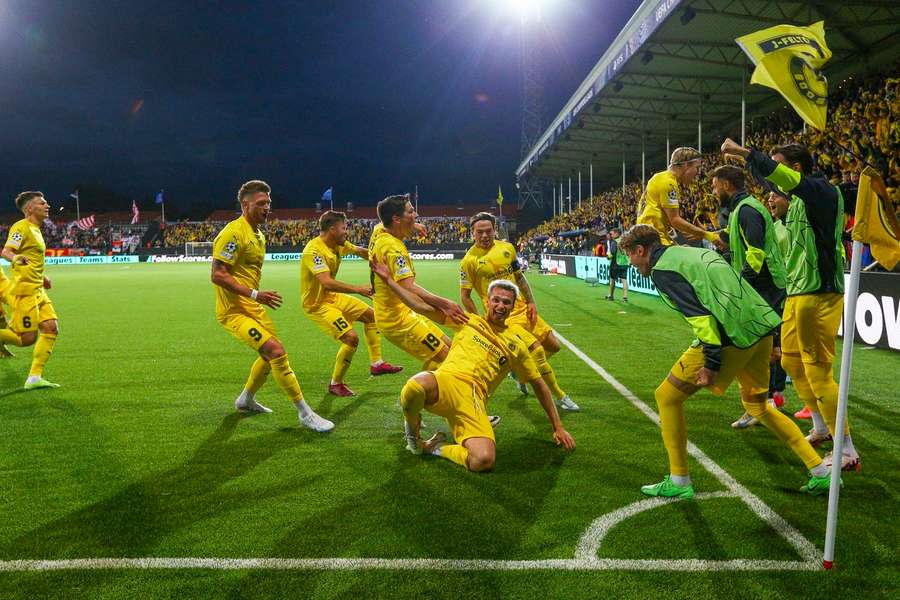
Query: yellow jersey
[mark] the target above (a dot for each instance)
(26, 239)
(389, 308)
(482, 354)
(319, 257)
(377, 231)
(479, 268)
(662, 192)
(243, 248)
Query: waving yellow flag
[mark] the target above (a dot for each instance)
(874, 225)
(499, 196)
(789, 59)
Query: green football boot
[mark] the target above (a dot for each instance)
(39, 384)
(816, 486)
(667, 489)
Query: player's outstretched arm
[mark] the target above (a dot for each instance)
(409, 298)
(333, 285)
(560, 435)
(690, 231)
(10, 254)
(361, 252)
(222, 277)
(451, 309)
(465, 296)
(531, 305)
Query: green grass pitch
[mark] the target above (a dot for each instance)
(140, 454)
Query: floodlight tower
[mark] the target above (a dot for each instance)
(532, 106)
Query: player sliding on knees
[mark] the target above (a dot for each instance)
(33, 318)
(238, 253)
(327, 303)
(483, 351)
(733, 325)
(490, 259)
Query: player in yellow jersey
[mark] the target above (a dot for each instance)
(490, 259)
(33, 318)
(238, 253)
(410, 332)
(327, 303)
(484, 349)
(5, 286)
(661, 199)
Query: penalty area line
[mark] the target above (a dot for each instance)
(797, 540)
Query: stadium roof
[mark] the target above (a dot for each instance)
(676, 58)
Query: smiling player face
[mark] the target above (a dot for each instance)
(483, 234)
(257, 207)
(500, 304)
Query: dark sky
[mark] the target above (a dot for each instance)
(197, 97)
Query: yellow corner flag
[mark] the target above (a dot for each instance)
(874, 225)
(499, 196)
(789, 59)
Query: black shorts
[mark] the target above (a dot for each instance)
(616, 271)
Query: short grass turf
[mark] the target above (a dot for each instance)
(140, 454)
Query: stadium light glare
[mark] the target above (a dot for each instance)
(526, 10)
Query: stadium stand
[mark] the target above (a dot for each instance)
(865, 117)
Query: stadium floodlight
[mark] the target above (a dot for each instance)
(527, 10)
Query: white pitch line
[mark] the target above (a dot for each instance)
(589, 544)
(803, 546)
(404, 564)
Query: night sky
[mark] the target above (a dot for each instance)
(372, 97)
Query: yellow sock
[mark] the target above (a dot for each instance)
(793, 366)
(285, 378)
(8, 336)
(342, 362)
(784, 429)
(670, 401)
(258, 373)
(825, 389)
(43, 348)
(455, 452)
(373, 342)
(412, 397)
(547, 373)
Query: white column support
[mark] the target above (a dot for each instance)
(643, 163)
(743, 109)
(579, 188)
(592, 184)
(570, 194)
(700, 123)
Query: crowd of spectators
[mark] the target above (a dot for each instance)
(295, 233)
(863, 117)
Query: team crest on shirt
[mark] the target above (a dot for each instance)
(505, 254)
(512, 347)
(17, 237)
(673, 195)
(318, 262)
(402, 267)
(229, 250)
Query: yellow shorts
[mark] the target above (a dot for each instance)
(28, 311)
(810, 326)
(655, 220)
(416, 335)
(336, 318)
(540, 330)
(750, 366)
(462, 406)
(254, 330)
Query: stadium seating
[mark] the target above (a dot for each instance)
(863, 115)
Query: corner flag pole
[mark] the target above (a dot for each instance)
(843, 393)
